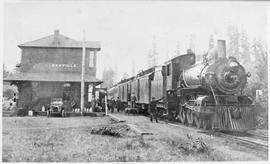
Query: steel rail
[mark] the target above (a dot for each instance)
(246, 141)
(262, 146)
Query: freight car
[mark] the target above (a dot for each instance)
(206, 94)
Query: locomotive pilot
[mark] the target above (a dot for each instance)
(153, 109)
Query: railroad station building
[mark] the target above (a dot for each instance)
(50, 67)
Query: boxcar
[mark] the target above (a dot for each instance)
(157, 89)
(135, 88)
(144, 88)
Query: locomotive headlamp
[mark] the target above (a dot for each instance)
(233, 64)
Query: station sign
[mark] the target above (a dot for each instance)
(55, 67)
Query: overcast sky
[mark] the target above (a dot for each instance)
(126, 29)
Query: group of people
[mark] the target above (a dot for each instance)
(112, 104)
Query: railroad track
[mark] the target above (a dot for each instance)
(248, 141)
(251, 140)
(262, 137)
(254, 141)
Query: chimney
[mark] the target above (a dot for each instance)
(56, 33)
(221, 48)
(55, 38)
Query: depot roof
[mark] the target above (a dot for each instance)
(58, 40)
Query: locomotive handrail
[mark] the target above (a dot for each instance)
(214, 95)
(202, 71)
(183, 72)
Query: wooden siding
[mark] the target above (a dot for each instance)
(144, 90)
(34, 59)
(157, 85)
(134, 88)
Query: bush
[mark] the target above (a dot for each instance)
(195, 146)
(9, 93)
(116, 131)
(21, 112)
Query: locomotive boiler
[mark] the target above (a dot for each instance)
(227, 76)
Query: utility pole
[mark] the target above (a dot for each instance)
(82, 73)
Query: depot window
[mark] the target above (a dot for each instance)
(91, 58)
(169, 69)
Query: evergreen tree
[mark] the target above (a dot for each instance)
(133, 68)
(153, 54)
(108, 78)
(5, 72)
(259, 80)
(178, 48)
(192, 42)
(233, 42)
(125, 76)
(260, 63)
(244, 48)
(211, 42)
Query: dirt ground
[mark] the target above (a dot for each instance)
(42, 139)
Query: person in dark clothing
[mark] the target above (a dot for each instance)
(111, 105)
(133, 100)
(103, 104)
(153, 109)
(118, 104)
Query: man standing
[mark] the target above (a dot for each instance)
(118, 104)
(133, 100)
(113, 104)
(153, 109)
(109, 105)
(103, 104)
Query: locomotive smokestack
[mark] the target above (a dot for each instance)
(221, 48)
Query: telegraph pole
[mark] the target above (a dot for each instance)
(82, 73)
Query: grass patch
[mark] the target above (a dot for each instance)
(136, 142)
(78, 143)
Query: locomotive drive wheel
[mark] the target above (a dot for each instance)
(198, 121)
(190, 118)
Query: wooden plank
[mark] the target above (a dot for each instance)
(116, 118)
(138, 130)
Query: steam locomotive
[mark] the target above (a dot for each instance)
(206, 94)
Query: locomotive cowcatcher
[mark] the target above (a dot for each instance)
(206, 94)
